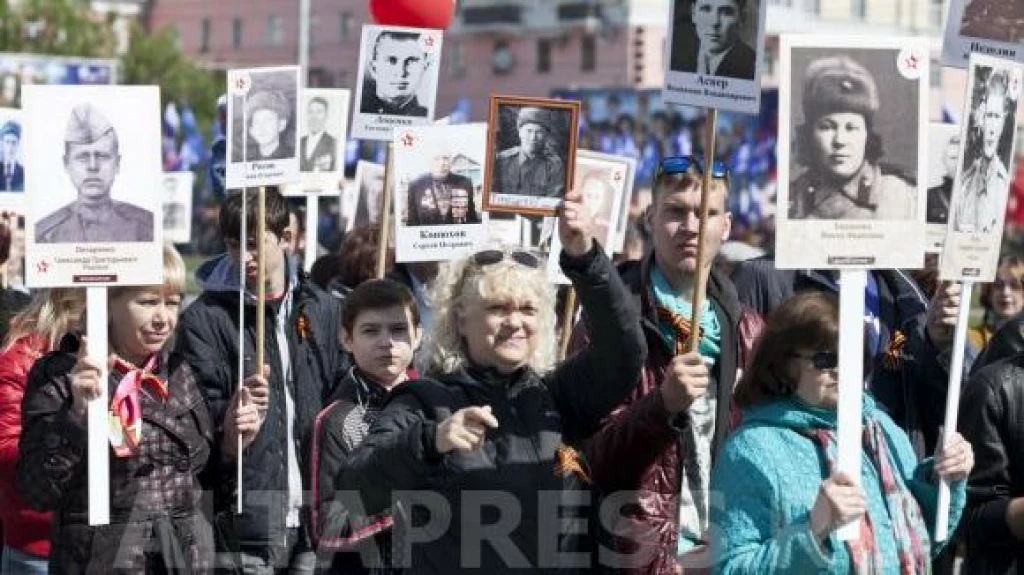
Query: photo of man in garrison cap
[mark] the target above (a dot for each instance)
(533, 168)
(12, 174)
(839, 173)
(92, 161)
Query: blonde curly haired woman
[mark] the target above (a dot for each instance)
(484, 434)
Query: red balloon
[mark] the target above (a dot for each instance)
(436, 14)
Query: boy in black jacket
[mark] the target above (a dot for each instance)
(304, 363)
(381, 328)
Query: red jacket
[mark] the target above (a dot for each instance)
(636, 452)
(25, 530)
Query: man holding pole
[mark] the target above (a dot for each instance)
(658, 445)
(304, 361)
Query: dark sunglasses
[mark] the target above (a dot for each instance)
(491, 257)
(823, 360)
(675, 165)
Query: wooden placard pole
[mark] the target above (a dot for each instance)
(385, 217)
(242, 251)
(956, 369)
(852, 284)
(98, 418)
(699, 287)
(568, 314)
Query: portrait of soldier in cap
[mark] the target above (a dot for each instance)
(984, 183)
(840, 173)
(435, 197)
(940, 196)
(268, 114)
(709, 41)
(92, 160)
(12, 174)
(394, 74)
(533, 168)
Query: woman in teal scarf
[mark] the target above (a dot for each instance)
(777, 503)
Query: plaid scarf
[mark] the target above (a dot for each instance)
(910, 533)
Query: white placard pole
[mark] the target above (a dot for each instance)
(956, 369)
(852, 284)
(312, 217)
(98, 414)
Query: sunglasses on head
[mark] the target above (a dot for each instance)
(676, 165)
(823, 360)
(491, 257)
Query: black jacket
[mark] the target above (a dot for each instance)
(910, 379)
(346, 540)
(515, 470)
(155, 495)
(740, 62)
(1006, 342)
(992, 421)
(208, 340)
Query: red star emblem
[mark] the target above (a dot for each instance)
(912, 61)
(429, 41)
(618, 176)
(241, 83)
(42, 267)
(408, 140)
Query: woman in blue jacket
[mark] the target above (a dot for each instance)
(777, 501)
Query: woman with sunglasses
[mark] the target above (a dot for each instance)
(1002, 299)
(779, 502)
(484, 435)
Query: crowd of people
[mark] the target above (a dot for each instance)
(427, 422)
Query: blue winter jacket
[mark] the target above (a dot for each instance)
(768, 476)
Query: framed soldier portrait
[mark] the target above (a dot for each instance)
(396, 86)
(262, 147)
(177, 213)
(978, 208)
(438, 170)
(943, 155)
(987, 27)
(322, 135)
(715, 54)
(531, 154)
(92, 214)
(852, 155)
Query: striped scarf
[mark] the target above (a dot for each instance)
(910, 532)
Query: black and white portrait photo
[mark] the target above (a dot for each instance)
(531, 154)
(92, 163)
(370, 183)
(12, 169)
(177, 188)
(855, 159)
(323, 129)
(322, 139)
(715, 37)
(984, 170)
(853, 127)
(262, 126)
(988, 150)
(985, 27)
(437, 211)
(714, 49)
(94, 158)
(397, 82)
(944, 151)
